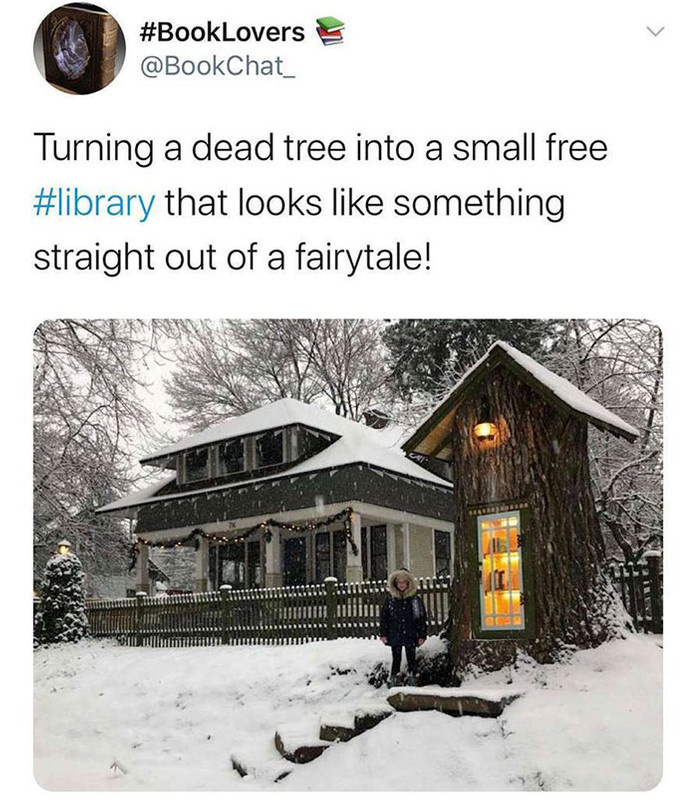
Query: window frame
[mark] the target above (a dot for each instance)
(475, 569)
(491, 555)
(307, 436)
(195, 451)
(449, 536)
(221, 446)
(272, 432)
(367, 559)
(333, 535)
(247, 562)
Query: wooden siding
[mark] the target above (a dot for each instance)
(420, 550)
(357, 483)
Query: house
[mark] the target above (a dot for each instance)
(528, 548)
(291, 494)
(112, 584)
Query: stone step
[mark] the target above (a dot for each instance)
(299, 743)
(270, 770)
(337, 724)
(457, 702)
(342, 722)
(368, 715)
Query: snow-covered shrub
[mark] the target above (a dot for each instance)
(62, 614)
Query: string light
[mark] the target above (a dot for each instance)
(346, 516)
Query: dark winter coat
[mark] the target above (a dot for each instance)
(403, 616)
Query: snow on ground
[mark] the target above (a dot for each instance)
(172, 718)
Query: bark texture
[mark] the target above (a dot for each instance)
(539, 458)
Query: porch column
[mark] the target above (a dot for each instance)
(272, 552)
(432, 534)
(402, 545)
(392, 533)
(202, 554)
(142, 572)
(354, 566)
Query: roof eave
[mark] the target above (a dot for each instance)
(163, 458)
(450, 403)
(436, 482)
(498, 356)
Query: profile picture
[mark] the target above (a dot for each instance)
(79, 48)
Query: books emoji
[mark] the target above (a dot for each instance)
(329, 30)
(330, 24)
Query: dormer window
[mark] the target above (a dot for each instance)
(196, 465)
(231, 457)
(269, 449)
(311, 442)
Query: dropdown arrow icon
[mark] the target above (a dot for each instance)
(655, 33)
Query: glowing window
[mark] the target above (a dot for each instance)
(501, 587)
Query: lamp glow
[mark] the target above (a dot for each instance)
(485, 431)
(64, 548)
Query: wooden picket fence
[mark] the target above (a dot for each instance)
(297, 614)
(288, 615)
(640, 585)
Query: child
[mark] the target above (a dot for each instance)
(403, 623)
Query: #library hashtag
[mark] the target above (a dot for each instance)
(147, 32)
(45, 201)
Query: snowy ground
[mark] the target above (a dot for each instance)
(172, 718)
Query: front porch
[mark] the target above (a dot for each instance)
(352, 542)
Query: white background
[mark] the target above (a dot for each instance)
(434, 70)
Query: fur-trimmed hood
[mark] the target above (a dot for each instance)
(410, 591)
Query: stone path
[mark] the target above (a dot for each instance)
(303, 742)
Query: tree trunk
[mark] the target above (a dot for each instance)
(537, 461)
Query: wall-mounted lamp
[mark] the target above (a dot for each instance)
(64, 548)
(485, 430)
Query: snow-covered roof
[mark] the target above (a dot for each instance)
(569, 394)
(539, 377)
(358, 444)
(139, 498)
(278, 414)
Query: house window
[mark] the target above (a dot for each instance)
(311, 442)
(374, 552)
(330, 555)
(323, 556)
(231, 457)
(237, 564)
(295, 561)
(196, 465)
(269, 449)
(253, 565)
(232, 565)
(441, 547)
(501, 588)
(339, 554)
